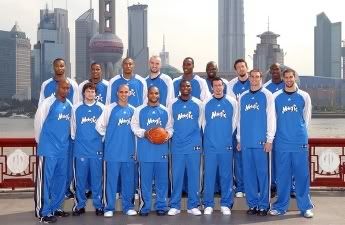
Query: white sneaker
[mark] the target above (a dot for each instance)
(239, 194)
(208, 211)
(131, 212)
(108, 214)
(173, 212)
(225, 210)
(194, 211)
(308, 214)
(274, 212)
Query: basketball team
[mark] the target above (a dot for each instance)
(242, 138)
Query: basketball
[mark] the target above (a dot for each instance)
(157, 135)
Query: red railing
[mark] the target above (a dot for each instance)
(17, 166)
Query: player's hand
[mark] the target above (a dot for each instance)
(268, 147)
(238, 147)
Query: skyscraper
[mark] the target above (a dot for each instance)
(53, 41)
(85, 28)
(15, 64)
(327, 47)
(231, 45)
(137, 37)
(268, 51)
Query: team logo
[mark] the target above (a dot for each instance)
(123, 121)
(132, 93)
(99, 98)
(292, 108)
(88, 119)
(63, 116)
(157, 121)
(187, 116)
(221, 114)
(254, 106)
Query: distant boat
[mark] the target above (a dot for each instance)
(19, 116)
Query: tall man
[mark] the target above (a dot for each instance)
(52, 134)
(48, 88)
(137, 85)
(293, 109)
(276, 82)
(96, 78)
(119, 152)
(220, 117)
(235, 88)
(186, 149)
(153, 158)
(211, 71)
(160, 80)
(88, 150)
(200, 90)
(255, 134)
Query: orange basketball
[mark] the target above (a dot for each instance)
(157, 135)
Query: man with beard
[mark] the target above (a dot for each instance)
(160, 80)
(235, 88)
(153, 158)
(293, 110)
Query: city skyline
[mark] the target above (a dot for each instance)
(191, 32)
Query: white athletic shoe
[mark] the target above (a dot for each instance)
(239, 194)
(194, 211)
(173, 212)
(308, 214)
(208, 211)
(131, 212)
(225, 210)
(274, 212)
(108, 214)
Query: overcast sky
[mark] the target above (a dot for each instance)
(190, 26)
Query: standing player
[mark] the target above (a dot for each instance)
(96, 78)
(137, 85)
(293, 109)
(199, 85)
(160, 80)
(88, 150)
(235, 88)
(119, 154)
(153, 158)
(220, 117)
(211, 71)
(48, 88)
(186, 149)
(256, 129)
(52, 134)
(276, 82)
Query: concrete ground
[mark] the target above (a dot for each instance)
(17, 209)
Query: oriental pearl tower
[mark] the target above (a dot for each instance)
(105, 47)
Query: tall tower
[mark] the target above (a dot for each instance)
(105, 47)
(327, 47)
(231, 44)
(137, 37)
(15, 64)
(85, 28)
(53, 41)
(268, 51)
(164, 54)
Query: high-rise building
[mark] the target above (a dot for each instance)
(327, 47)
(164, 54)
(268, 51)
(53, 41)
(231, 43)
(137, 37)
(85, 28)
(15, 64)
(106, 47)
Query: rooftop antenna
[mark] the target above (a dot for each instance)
(268, 24)
(163, 43)
(90, 4)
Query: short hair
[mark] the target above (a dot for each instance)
(240, 61)
(58, 59)
(151, 87)
(256, 71)
(275, 66)
(184, 81)
(122, 85)
(211, 62)
(190, 59)
(155, 57)
(289, 70)
(95, 63)
(127, 58)
(217, 79)
(89, 85)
